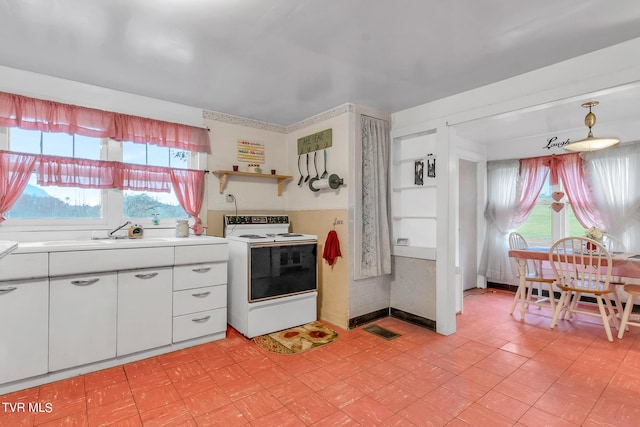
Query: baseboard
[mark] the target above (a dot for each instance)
(369, 317)
(413, 318)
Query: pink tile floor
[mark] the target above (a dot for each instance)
(496, 370)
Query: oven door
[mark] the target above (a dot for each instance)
(279, 269)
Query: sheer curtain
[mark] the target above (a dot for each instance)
(374, 258)
(513, 188)
(49, 116)
(570, 170)
(502, 205)
(613, 175)
(189, 188)
(15, 171)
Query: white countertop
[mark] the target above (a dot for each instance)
(6, 247)
(88, 244)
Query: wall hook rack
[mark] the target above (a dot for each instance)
(333, 182)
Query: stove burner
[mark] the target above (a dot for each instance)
(289, 234)
(251, 236)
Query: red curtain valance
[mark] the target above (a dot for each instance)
(16, 169)
(49, 116)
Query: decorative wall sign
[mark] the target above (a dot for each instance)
(418, 173)
(431, 166)
(252, 152)
(315, 142)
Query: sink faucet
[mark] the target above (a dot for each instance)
(119, 228)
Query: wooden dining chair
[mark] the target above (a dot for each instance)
(632, 292)
(534, 277)
(582, 267)
(614, 245)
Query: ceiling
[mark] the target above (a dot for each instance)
(281, 61)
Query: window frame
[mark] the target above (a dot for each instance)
(112, 199)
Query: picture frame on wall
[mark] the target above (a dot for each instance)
(418, 173)
(431, 167)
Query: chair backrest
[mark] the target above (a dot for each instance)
(612, 243)
(517, 241)
(580, 263)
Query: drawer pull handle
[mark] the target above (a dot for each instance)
(202, 294)
(85, 282)
(201, 270)
(201, 319)
(147, 275)
(7, 290)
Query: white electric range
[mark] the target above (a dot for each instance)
(272, 274)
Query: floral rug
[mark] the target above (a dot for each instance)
(298, 339)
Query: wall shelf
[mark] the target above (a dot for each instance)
(223, 175)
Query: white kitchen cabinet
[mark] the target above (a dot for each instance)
(200, 296)
(199, 324)
(144, 309)
(24, 320)
(82, 320)
(201, 299)
(199, 275)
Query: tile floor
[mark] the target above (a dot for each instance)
(495, 371)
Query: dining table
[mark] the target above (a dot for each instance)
(623, 264)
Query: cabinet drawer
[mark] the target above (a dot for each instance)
(199, 275)
(201, 253)
(200, 299)
(24, 266)
(199, 324)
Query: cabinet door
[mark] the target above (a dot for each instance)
(82, 322)
(144, 309)
(24, 316)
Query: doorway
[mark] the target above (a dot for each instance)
(468, 222)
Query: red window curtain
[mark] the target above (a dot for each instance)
(533, 172)
(189, 188)
(49, 116)
(71, 172)
(578, 192)
(145, 178)
(15, 171)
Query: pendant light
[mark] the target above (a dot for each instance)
(591, 143)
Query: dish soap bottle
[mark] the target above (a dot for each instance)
(155, 219)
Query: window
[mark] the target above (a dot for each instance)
(54, 202)
(140, 204)
(544, 225)
(44, 206)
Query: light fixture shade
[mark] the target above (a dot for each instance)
(591, 143)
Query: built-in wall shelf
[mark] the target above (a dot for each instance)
(415, 187)
(412, 160)
(419, 252)
(401, 217)
(224, 175)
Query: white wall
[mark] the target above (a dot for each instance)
(250, 193)
(54, 89)
(607, 68)
(338, 162)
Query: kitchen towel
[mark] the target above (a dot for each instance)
(331, 247)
